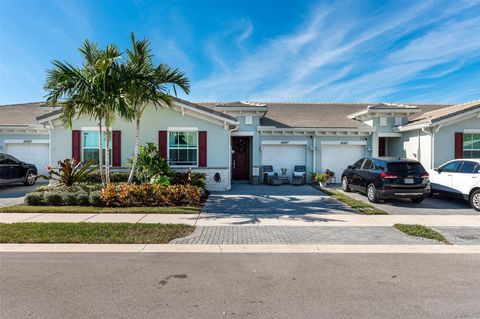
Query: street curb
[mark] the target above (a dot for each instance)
(310, 248)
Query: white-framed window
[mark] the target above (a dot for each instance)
(90, 141)
(383, 121)
(471, 145)
(398, 121)
(183, 148)
(248, 119)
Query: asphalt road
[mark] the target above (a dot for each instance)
(84, 285)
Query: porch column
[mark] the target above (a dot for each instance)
(375, 144)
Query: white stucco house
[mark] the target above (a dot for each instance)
(235, 139)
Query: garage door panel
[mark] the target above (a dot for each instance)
(283, 156)
(337, 157)
(32, 153)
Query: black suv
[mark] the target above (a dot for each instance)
(13, 170)
(384, 178)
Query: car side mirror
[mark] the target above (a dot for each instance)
(349, 167)
(436, 169)
(22, 163)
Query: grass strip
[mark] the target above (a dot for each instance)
(92, 233)
(421, 231)
(358, 205)
(100, 210)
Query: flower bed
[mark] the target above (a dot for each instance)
(120, 195)
(131, 195)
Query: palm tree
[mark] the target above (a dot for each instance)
(147, 83)
(75, 89)
(94, 90)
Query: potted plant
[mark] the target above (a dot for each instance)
(320, 178)
(331, 175)
(284, 171)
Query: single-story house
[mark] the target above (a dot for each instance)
(235, 139)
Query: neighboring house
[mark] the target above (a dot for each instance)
(236, 139)
(22, 136)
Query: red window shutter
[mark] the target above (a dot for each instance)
(117, 148)
(162, 144)
(458, 145)
(76, 145)
(202, 149)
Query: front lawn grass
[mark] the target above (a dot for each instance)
(359, 206)
(92, 233)
(421, 231)
(100, 210)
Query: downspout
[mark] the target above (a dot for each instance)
(230, 155)
(418, 146)
(313, 153)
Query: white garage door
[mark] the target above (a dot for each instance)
(283, 156)
(32, 153)
(337, 157)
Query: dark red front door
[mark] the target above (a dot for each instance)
(240, 157)
(381, 146)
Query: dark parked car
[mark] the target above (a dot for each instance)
(13, 170)
(385, 178)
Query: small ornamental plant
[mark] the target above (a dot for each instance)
(69, 171)
(284, 171)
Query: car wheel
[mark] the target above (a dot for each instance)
(475, 200)
(372, 193)
(417, 200)
(30, 179)
(345, 186)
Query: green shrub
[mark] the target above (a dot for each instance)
(95, 198)
(160, 180)
(52, 199)
(60, 188)
(82, 199)
(69, 198)
(149, 163)
(188, 177)
(34, 198)
(115, 177)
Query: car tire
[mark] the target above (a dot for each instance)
(30, 179)
(475, 200)
(372, 193)
(417, 200)
(345, 186)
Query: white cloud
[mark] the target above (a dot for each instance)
(341, 55)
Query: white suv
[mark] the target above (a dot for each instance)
(459, 178)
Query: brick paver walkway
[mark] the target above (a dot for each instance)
(300, 235)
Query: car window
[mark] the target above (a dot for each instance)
(450, 167)
(403, 168)
(380, 165)
(468, 167)
(9, 159)
(368, 164)
(358, 164)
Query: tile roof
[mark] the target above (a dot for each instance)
(22, 114)
(443, 113)
(313, 115)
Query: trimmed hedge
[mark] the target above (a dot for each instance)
(115, 177)
(124, 195)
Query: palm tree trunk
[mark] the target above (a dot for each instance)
(138, 114)
(107, 150)
(100, 152)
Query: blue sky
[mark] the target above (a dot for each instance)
(393, 51)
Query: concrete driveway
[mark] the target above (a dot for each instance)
(246, 199)
(13, 194)
(437, 205)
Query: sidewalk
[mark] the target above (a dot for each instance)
(251, 220)
(312, 248)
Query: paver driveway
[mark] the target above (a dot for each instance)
(437, 205)
(246, 199)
